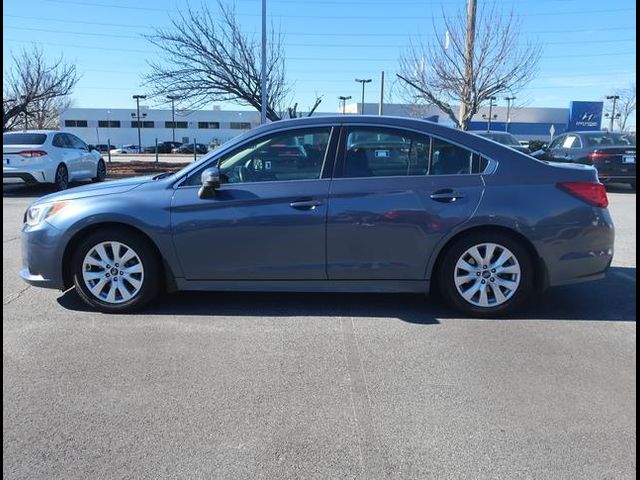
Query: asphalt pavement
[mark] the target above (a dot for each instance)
(264, 386)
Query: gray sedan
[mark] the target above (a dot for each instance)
(349, 204)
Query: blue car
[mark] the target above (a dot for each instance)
(361, 204)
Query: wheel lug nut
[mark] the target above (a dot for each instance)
(484, 267)
(478, 274)
(108, 266)
(108, 275)
(121, 273)
(117, 265)
(115, 279)
(493, 279)
(493, 270)
(484, 281)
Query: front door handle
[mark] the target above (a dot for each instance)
(305, 204)
(446, 196)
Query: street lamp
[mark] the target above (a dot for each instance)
(363, 81)
(613, 109)
(344, 99)
(173, 98)
(137, 98)
(490, 117)
(509, 100)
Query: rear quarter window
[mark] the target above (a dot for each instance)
(23, 138)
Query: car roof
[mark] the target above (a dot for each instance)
(33, 131)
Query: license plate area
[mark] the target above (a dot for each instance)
(628, 159)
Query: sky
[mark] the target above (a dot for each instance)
(588, 45)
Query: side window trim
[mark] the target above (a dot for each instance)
(327, 162)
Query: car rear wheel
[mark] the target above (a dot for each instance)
(61, 180)
(101, 171)
(486, 274)
(116, 271)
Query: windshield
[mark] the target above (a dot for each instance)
(23, 138)
(609, 139)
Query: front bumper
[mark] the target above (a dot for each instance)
(41, 257)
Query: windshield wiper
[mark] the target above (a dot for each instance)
(161, 175)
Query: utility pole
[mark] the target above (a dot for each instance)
(381, 104)
(509, 100)
(263, 74)
(173, 99)
(344, 99)
(26, 114)
(363, 82)
(137, 99)
(614, 98)
(469, 46)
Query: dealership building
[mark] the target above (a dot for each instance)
(119, 126)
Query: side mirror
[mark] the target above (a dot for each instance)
(210, 182)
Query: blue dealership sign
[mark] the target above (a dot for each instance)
(585, 116)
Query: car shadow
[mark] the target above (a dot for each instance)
(610, 299)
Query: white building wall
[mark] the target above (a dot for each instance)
(127, 134)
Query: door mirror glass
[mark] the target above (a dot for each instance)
(210, 179)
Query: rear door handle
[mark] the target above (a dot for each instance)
(446, 196)
(305, 204)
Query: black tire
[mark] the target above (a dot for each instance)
(101, 172)
(61, 180)
(447, 270)
(151, 263)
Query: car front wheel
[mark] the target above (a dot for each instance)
(486, 274)
(61, 180)
(115, 271)
(101, 171)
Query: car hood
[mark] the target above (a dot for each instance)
(97, 189)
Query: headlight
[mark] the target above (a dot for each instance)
(38, 213)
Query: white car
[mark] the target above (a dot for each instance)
(125, 149)
(46, 156)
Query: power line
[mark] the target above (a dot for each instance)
(342, 17)
(324, 45)
(325, 34)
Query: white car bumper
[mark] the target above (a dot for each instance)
(36, 173)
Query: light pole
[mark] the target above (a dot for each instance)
(263, 73)
(344, 99)
(613, 109)
(509, 100)
(173, 99)
(137, 99)
(363, 81)
(490, 117)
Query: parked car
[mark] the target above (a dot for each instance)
(101, 147)
(452, 213)
(45, 156)
(124, 149)
(613, 154)
(504, 138)
(163, 147)
(188, 148)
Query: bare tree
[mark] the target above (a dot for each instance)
(207, 58)
(31, 84)
(478, 56)
(625, 106)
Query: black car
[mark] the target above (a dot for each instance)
(163, 147)
(188, 148)
(103, 147)
(612, 153)
(504, 138)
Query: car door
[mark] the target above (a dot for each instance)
(72, 157)
(87, 162)
(556, 151)
(267, 221)
(395, 194)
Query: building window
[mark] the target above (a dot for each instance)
(208, 124)
(240, 125)
(75, 123)
(109, 123)
(146, 124)
(177, 124)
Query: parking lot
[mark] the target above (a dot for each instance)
(234, 385)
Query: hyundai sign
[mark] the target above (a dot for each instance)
(585, 116)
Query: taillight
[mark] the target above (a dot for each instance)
(592, 193)
(593, 156)
(32, 153)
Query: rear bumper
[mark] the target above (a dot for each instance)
(19, 178)
(577, 253)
